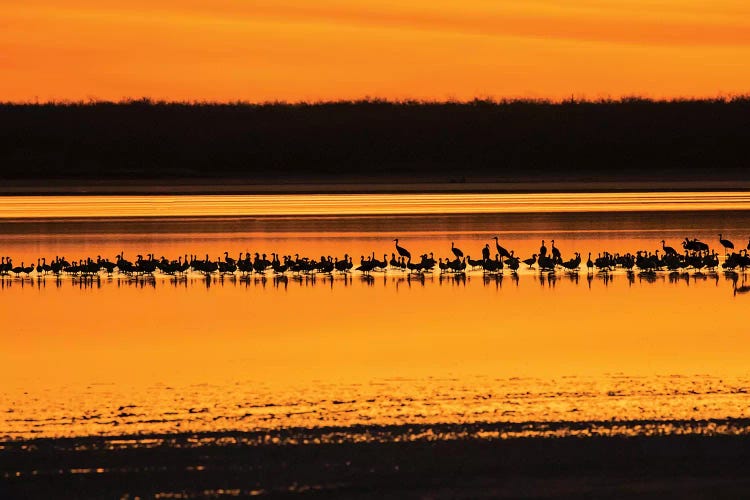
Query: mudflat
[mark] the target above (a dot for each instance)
(242, 465)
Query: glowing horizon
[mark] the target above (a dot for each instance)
(294, 51)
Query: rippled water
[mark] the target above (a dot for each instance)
(121, 356)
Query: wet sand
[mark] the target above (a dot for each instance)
(234, 464)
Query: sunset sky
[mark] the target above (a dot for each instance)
(261, 50)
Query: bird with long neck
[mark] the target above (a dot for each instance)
(486, 252)
(402, 252)
(556, 256)
(500, 250)
(726, 244)
(668, 250)
(456, 251)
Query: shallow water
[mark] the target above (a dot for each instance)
(122, 356)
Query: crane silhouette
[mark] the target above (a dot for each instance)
(668, 250)
(542, 250)
(556, 256)
(726, 244)
(530, 262)
(456, 251)
(403, 252)
(500, 250)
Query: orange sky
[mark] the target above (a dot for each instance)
(330, 49)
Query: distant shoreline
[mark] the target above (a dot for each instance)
(351, 186)
(374, 145)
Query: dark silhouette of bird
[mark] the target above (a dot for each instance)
(443, 266)
(590, 263)
(556, 256)
(500, 250)
(428, 262)
(474, 263)
(17, 270)
(726, 244)
(546, 263)
(668, 250)
(366, 266)
(486, 252)
(403, 252)
(530, 262)
(394, 261)
(573, 264)
(456, 251)
(342, 266)
(513, 264)
(414, 268)
(748, 244)
(542, 250)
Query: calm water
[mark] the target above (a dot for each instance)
(122, 356)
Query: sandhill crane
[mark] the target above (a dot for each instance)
(403, 252)
(726, 244)
(542, 250)
(556, 256)
(668, 250)
(530, 262)
(456, 251)
(394, 261)
(500, 250)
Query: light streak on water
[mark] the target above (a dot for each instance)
(17, 207)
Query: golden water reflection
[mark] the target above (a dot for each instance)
(82, 360)
(13, 207)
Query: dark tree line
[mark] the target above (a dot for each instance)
(627, 139)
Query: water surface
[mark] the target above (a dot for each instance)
(122, 356)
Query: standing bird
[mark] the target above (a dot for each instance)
(542, 250)
(590, 264)
(456, 251)
(530, 262)
(556, 256)
(668, 250)
(403, 252)
(486, 252)
(748, 244)
(726, 244)
(500, 250)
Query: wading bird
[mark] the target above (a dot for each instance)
(403, 252)
(500, 250)
(668, 250)
(530, 262)
(728, 245)
(556, 256)
(456, 251)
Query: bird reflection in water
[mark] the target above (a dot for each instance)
(737, 279)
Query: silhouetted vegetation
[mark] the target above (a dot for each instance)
(440, 141)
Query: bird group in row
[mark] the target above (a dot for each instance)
(695, 255)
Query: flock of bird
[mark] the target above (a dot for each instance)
(695, 254)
